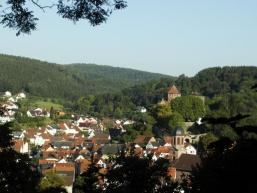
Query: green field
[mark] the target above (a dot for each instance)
(47, 105)
(36, 102)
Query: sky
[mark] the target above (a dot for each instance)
(165, 36)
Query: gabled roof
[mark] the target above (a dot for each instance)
(84, 164)
(173, 90)
(63, 143)
(66, 171)
(163, 149)
(186, 162)
(141, 139)
(112, 149)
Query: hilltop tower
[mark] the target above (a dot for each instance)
(173, 93)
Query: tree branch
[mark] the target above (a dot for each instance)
(42, 7)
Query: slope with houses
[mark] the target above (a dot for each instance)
(69, 148)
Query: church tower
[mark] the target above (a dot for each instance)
(178, 138)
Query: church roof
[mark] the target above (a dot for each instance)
(178, 132)
(173, 90)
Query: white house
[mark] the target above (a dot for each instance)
(80, 157)
(10, 106)
(100, 163)
(37, 140)
(67, 130)
(190, 150)
(52, 131)
(12, 99)
(154, 158)
(21, 95)
(7, 94)
(5, 119)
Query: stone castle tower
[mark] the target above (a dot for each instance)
(173, 93)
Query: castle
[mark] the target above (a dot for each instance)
(173, 93)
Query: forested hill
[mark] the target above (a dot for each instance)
(125, 76)
(66, 81)
(209, 82)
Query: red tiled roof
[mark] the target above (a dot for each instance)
(30, 132)
(17, 145)
(64, 167)
(84, 165)
(186, 162)
(140, 139)
(43, 161)
(162, 149)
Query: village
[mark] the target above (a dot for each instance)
(69, 148)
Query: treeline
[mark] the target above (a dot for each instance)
(67, 82)
(231, 84)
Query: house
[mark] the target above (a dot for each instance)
(38, 112)
(171, 172)
(5, 119)
(51, 130)
(67, 172)
(101, 163)
(7, 94)
(138, 151)
(141, 140)
(128, 122)
(112, 149)
(63, 144)
(164, 152)
(21, 95)
(185, 164)
(18, 135)
(86, 122)
(190, 149)
(100, 138)
(141, 109)
(10, 106)
(12, 99)
(21, 146)
(67, 129)
(151, 145)
(82, 165)
(38, 140)
(30, 134)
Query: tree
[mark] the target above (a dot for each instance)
(228, 164)
(206, 140)
(88, 181)
(16, 171)
(126, 175)
(190, 107)
(176, 120)
(141, 175)
(17, 14)
(53, 182)
(162, 113)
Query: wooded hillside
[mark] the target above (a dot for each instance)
(65, 81)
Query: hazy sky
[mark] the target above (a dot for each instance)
(165, 36)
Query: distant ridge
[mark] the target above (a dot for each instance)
(66, 81)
